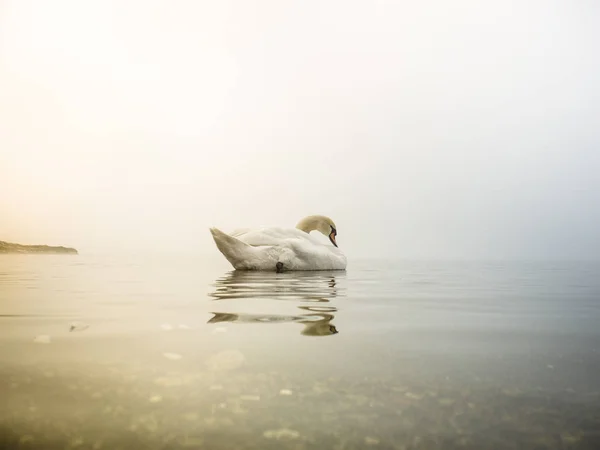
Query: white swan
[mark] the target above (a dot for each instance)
(280, 249)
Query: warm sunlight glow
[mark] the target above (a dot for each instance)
(111, 70)
(151, 121)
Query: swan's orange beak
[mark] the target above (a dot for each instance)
(332, 236)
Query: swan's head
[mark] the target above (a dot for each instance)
(320, 223)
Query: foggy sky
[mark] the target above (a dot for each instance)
(464, 129)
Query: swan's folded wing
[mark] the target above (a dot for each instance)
(271, 236)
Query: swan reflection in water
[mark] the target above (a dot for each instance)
(314, 290)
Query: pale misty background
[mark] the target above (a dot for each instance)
(465, 129)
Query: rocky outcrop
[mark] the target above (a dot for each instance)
(7, 247)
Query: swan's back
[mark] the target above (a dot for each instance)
(272, 236)
(265, 248)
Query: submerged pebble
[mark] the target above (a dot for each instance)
(569, 438)
(192, 441)
(285, 392)
(77, 441)
(25, 439)
(167, 326)
(190, 417)
(173, 356)
(282, 433)
(414, 396)
(226, 360)
(169, 381)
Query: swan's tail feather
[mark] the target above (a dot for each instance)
(233, 249)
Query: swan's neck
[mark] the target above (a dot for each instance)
(307, 225)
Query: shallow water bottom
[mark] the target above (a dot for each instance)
(157, 354)
(226, 403)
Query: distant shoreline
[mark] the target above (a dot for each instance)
(8, 247)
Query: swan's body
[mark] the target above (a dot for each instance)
(277, 249)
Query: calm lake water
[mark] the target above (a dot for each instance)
(179, 352)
